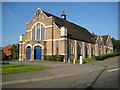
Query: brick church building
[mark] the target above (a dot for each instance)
(47, 34)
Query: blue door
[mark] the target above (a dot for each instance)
(28, 53)
(37, 53)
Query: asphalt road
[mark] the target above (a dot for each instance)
(104, 78)
(96, 79)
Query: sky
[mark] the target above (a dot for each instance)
(98, 17)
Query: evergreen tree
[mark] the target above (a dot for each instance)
(116, 45)
(15, 51)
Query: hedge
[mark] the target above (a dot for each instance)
(9, 59)
(76, 61)
(54, 57)
(98, 58)
(105, 56)
(87, 60)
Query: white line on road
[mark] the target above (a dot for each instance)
(113, 70)
(45, 78)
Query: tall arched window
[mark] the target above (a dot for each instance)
(42, 32)
(71, 49)
(33, 33)
(38, 32)
(92, 51)
(79, 51)
(86, 52)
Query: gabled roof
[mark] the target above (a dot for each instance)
(7, 50)
(74, 31)
(105, 37)
(95, 38)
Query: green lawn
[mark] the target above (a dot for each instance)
(17, 68)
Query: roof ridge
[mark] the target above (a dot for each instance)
(64, 20)
(104, 35)
(75, 31)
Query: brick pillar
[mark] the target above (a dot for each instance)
(32, 54)
(93, 49)
(104, 50)
(43, 52)
(75, 55)
(25, 54)
(65, 49)
(21, 48)
(96, 50)
(23, 51)
(89, 50)
(101, 50)
(20, 52)
(83, 50)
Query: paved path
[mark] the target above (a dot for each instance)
(62, 70)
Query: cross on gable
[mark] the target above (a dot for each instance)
(38, 13)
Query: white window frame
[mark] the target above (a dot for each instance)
(41, 24)
(71, 49)
(81, 48)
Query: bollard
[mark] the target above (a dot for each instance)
(68, 60)
(81, 60)
(64, 60)
(74, 61)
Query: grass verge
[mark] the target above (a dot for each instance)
(17, 68)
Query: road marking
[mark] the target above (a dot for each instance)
(113, 70)
(45, 78)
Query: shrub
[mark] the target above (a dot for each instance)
(97, 58)
(105, 56)
(54, 57)
(77, 61)
(4, 63)
(10, 60)
(87, 60)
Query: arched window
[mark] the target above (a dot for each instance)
(92, 51)
(86, 51)
(33, 33)
(79, 51)
(57, 47)
(38, 32)
(71, 49)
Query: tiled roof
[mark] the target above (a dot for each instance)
(74, 31)
(7, 50)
